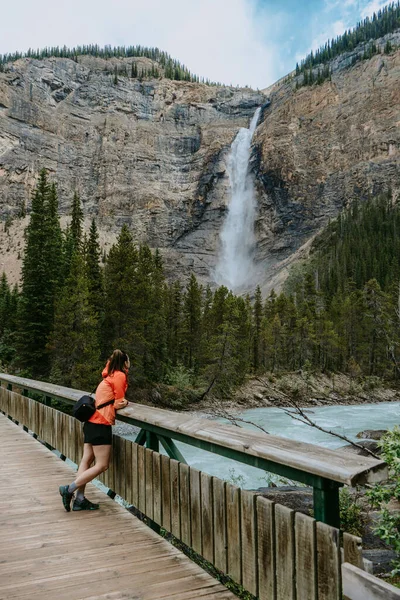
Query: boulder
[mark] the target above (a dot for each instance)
(368, 444)
(294, 497)
(371, 434)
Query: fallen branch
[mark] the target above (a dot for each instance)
(305, 419)
(299, 415)
(222, 413)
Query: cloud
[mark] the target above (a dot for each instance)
(223, 43)
(340, 4)
(331, 31)
(335, 29)
(372, 7)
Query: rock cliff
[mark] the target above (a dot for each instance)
(320, 147)
(150, 154)
(153, 154)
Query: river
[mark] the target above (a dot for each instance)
(347, 420)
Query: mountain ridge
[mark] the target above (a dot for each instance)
(153, 153)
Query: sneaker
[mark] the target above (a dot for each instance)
(85, 504)
(66, 496)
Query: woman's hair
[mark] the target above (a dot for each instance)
(117, 361)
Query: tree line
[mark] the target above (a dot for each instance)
(386, 20)
(169, 67)
(338, 312)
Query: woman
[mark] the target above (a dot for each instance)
(97, 431)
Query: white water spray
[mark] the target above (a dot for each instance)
(235, 267)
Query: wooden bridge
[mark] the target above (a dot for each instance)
(268, 549)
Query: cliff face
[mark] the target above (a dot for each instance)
(150, 154)
(320, 147)
(153, 154)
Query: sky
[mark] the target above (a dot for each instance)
(236, 42)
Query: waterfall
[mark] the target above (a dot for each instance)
(235, 267)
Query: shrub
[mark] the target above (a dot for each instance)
(351, 517)
(388, 528)
(179, 376)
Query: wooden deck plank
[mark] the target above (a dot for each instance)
(99, 554)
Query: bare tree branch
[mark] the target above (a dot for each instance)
(234, 420)
(301, 416)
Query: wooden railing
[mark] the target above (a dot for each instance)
(359, 585)
(272, 551)
(323, 469)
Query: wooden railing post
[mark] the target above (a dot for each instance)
(25, 393)
(326, 502)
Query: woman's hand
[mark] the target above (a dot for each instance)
(121, 403)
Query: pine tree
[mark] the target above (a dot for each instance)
(67, 251)
(5, 295)
(376, 324)
(36, 306)
(157, 328)
(94, 272)
(217, 371)
(74, 342)
(120, 293)
(257, 319)
(174, 323)
(192, 322)
(5, 310)
(388, 47)
(243, 339)
(8, 321)
(53, 248)
(206, 329)
(76, 222)
(143, 334)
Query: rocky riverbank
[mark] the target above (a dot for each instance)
(305, 389)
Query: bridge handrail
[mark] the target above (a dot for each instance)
(323, 469)
(359, 585)
(337, 466)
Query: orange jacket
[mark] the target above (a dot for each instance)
(113, 387)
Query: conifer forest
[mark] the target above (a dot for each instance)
(339, 310)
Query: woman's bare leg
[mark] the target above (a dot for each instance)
(102, 456)
(87, 459)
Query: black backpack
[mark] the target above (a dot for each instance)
(85, 408)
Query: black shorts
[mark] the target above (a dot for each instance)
(96, 434)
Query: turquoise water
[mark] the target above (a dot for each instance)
(347, 420)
